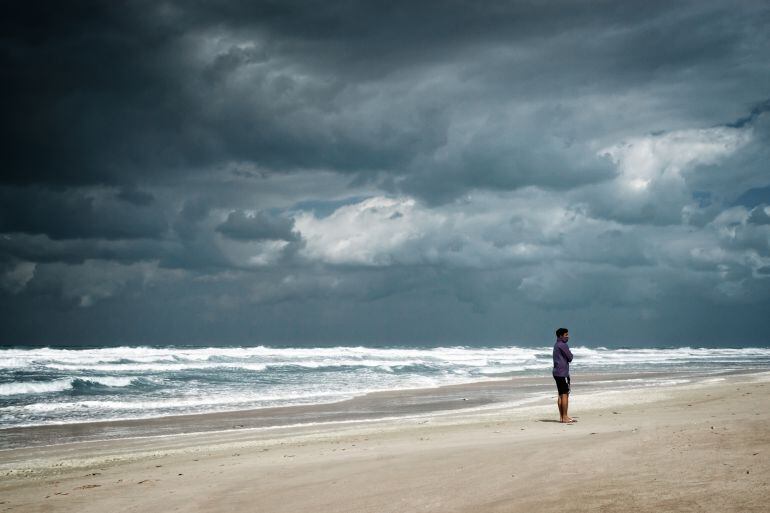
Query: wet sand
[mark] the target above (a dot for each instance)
(700, 446)
(378, 405)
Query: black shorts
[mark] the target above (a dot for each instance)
(562, 384)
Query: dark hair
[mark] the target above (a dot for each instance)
(561, 331)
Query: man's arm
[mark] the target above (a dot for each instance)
(566, 352)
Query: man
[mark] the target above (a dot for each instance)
(561, 358)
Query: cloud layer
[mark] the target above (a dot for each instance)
(281, 172)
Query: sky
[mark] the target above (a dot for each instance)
(385, 173)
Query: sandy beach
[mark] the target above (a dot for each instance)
(700, 446)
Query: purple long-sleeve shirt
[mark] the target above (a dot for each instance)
(561, 358)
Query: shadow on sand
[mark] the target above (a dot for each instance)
(554, 420)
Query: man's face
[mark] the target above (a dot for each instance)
(565, 337)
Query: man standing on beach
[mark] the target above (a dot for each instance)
(561, 358)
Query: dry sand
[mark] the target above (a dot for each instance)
(698, 447)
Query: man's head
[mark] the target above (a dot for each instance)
(562, 333)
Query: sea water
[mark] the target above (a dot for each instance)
(45, 386)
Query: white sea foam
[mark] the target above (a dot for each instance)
(466, 356)
(38, 387)
(60, 385)
(190, 404)
(122, 356)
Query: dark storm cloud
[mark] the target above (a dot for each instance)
(383, 171)
(135, 196)
(41, 249)
(85, 86)
(73, 214)
(108, 93)
(759, 216)
(753, 116)
(262, 225)
(196, 249)
(504, 156)
(754, 196)
(194, 211)
(743, 177)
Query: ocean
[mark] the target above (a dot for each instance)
(53, 386)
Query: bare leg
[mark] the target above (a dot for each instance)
(565, 406)
(563, 403)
